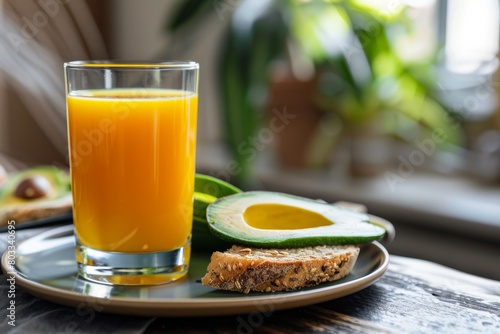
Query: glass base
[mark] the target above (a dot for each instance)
(132, 268)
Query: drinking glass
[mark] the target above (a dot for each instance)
(132, 142)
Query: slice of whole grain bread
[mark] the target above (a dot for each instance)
(35, 210)
(245, 269)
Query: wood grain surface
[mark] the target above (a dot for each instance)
(413, 296)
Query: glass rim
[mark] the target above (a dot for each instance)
(133, 64)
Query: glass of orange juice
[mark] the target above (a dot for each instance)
(132, 142)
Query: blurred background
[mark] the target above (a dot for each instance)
(388, 103)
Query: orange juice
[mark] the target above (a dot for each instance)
(132, 155)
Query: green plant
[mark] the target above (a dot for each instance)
(349, 44)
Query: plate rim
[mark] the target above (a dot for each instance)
(187, 307)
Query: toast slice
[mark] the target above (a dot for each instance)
(35, 210)
(246, 269)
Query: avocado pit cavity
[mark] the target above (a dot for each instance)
(273, 216)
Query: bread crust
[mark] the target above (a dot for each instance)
(246, 269)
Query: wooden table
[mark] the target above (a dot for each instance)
(413, 296)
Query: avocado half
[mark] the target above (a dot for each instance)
(58, 181)
(276, 220)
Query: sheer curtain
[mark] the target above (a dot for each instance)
(36, 37)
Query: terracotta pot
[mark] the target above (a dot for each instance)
(294, 97)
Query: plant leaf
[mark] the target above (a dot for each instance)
(248, 51)
(186, 12)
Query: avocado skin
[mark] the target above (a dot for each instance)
(210, 185)
(58, 179)
(296, 242)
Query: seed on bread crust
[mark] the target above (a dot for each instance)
(245, 251)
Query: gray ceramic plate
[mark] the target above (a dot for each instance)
(45, 266)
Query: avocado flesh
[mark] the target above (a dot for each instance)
(59, 181)
(227, 219)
